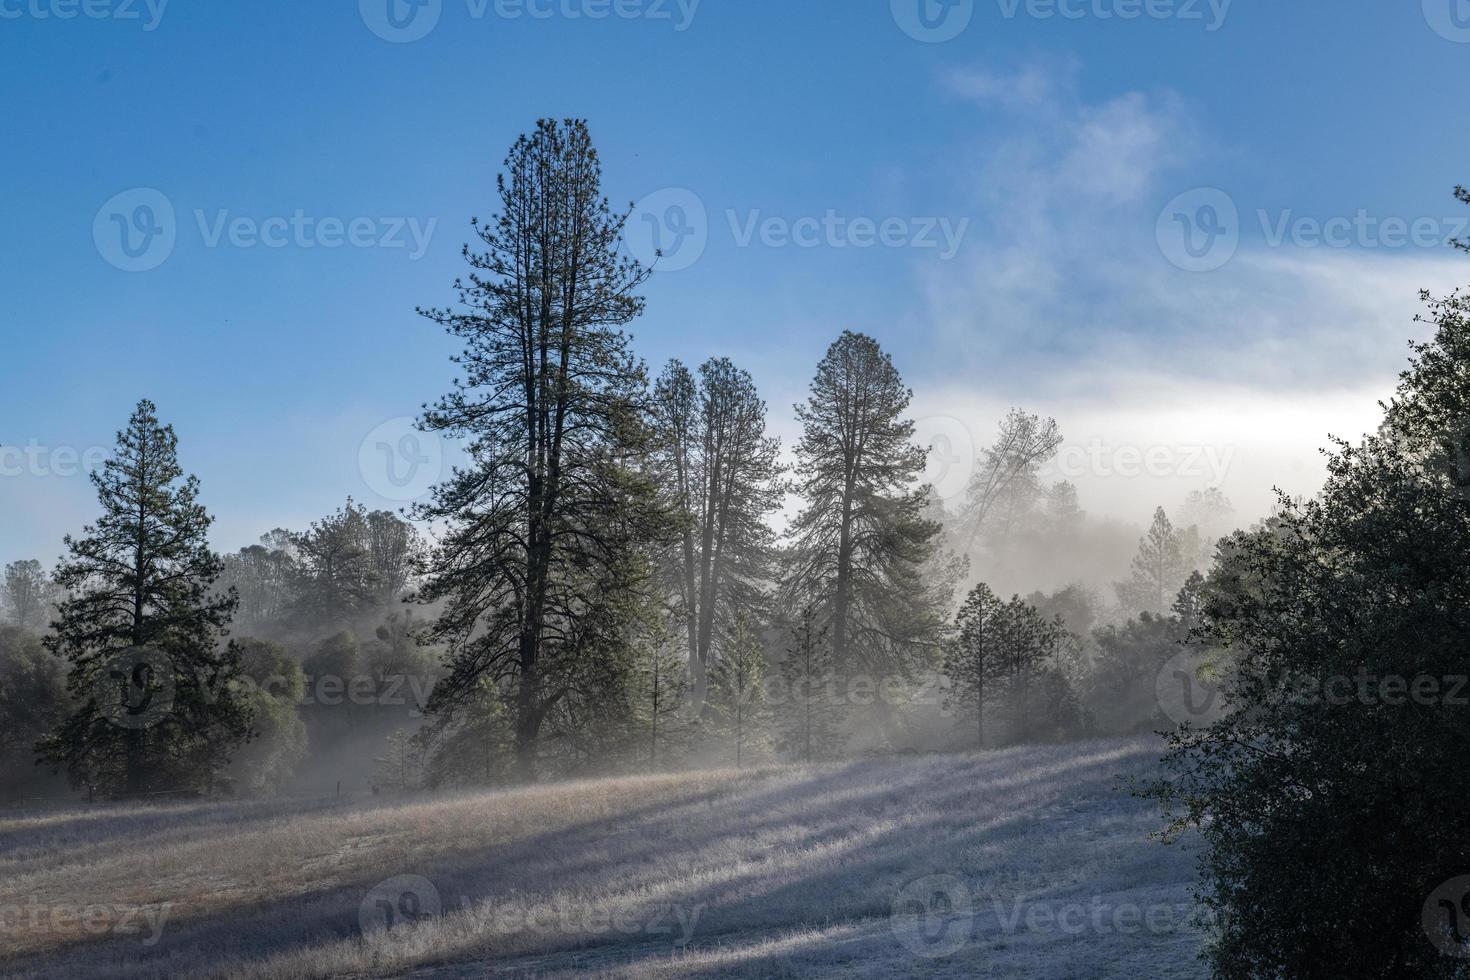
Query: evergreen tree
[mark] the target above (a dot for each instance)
(473, 747)
(1159, 568)
(660, 697)
(861, 542)
(810, 717)
(143, 629)
(401, 766)
(972, 664)
(723, 474)
(540, 524)
(739, 711)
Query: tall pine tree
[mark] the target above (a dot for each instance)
(541, 528)
(143, 631)
(861, 542)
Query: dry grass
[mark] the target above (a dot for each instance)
(778, 872)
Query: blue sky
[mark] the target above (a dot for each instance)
(1057, 144)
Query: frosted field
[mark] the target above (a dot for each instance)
(1020, 863)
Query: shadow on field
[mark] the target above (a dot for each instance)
(798, 850)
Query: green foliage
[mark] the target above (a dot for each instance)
(33, 701)
(543, 528)
(739, 716)
(27, 596)
(659, 693)
(158, 705)
(1007, 654)
(474, 746)
(862, 542)
(809, 716)
(1327, 772)
(275, 690)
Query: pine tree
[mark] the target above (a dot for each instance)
(539, 526)
(810, 716)
(143, 630)
(973, 661)
(724, 477)
(401, 766)
(660, 697)
(1159, 568)
(737, 698)
(861, 543)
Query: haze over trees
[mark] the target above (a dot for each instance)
(603, 586)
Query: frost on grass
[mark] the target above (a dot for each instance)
(1036, 861)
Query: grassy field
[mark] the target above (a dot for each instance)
(1020, 863)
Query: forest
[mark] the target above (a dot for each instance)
(632, 575)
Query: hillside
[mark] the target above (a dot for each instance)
(1024, 863)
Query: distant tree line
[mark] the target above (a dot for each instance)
(604, 589)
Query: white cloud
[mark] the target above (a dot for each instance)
(1068, 307)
